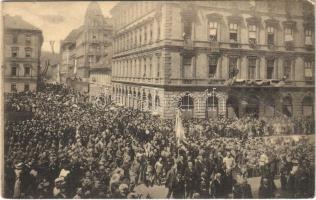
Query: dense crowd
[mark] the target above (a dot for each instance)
(75, 149)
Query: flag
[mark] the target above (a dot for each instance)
(179, 130)
(75, 68)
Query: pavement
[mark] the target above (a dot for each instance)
(160, 192)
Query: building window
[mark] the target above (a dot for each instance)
(13, 87)
(308, 37)
(270, 35)
(140, 37)
(308, 71)
(186, 64)
(26, 87)
(287, 107)
(91, 60)
(233, 30)
(14, 52)
(150, 68)
(307, 106)
(15, 38)
(287, 69)
(213, 31)
(28, 52)
(270, 68)
(252, 68)
(27, 70)
(288, 34)
(212, 105)
(145, 35)
(158, 30)
(187, 31)
(27, 39)
(157, 102)
(158, 66)
(150, 33)
(186, 102)
(212, 66)
(233, 70)
(252, 34)
(14, 70)
(145, 68)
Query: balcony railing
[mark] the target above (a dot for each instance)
(188, 45)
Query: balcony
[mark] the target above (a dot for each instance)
(289, 45)
(234, 45)
(188, 45)
(214, 47)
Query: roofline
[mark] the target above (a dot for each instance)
(22, 29)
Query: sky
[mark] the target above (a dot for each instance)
(55, 19)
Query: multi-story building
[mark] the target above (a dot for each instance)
(100, 79)
(212, 58)
(22, 51)
(84, 47)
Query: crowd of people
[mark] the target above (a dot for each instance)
(71, 148)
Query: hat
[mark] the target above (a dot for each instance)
(59, 179)
(19, 165)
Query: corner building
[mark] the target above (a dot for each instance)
(22, 43)
(84, 48)
(213, 58)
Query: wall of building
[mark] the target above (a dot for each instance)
(130, 53)
(21, 61)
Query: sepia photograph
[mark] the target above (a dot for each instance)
(158, 99)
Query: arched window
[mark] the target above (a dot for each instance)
(232, 107)
(287, 107)
(307, 106)
(212, 106)
(186, 102)
(150, 103)
(212, 103)
(252, 105)
(269, 107)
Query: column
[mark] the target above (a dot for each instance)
(219, 67)
(258, 62)
(276, 70)
(263, 68)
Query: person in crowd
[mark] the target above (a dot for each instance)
(265, 189)
(241, 189)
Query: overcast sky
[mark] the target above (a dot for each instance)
(55, 19)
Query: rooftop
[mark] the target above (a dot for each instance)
(16, 22)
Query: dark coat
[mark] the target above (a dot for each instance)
(217, 189)
(242, 191)
(265, 192)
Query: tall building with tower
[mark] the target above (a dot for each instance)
(86, 47)
(215, 58)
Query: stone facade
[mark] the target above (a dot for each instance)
(258, 59)
(21, 53)
(84, 47)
